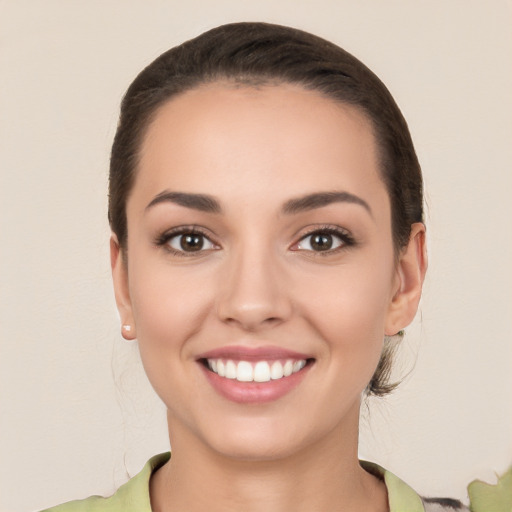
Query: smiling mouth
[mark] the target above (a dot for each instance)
(258, 371)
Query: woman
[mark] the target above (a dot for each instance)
(268, 250)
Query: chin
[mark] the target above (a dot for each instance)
(255, 450)
(263, 439)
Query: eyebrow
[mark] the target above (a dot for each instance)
(320, 199)
(209, 204)
(201, 202)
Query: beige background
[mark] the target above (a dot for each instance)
(76, 411)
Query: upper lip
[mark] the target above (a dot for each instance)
(244, 353)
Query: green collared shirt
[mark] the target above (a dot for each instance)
(133, 496)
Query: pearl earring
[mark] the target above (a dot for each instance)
(127, 332)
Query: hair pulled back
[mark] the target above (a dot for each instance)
(257, 54)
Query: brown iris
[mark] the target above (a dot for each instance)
(192, 242)
(321, 242)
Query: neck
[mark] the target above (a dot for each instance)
(326, 476)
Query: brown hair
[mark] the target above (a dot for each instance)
(261, 53)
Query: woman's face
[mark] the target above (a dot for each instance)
(260, 244)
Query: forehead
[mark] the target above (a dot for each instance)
(274, 137)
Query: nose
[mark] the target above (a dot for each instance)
(253, 294)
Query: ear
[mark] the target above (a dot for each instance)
(121, 289)
(410, 274)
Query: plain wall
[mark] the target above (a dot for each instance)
(77, 414)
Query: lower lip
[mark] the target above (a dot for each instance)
(254, 392)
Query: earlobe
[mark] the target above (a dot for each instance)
(121, 289)
(411, 269)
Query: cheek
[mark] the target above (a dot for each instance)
(349, 308)
(169, 306)
(353, 329)
(168, 303)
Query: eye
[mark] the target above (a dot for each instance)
(325, 240)
(186, 242)
(190, 242)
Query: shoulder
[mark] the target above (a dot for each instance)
(90, 504)
(483, 497)
(402, 497)
(497, 497)
(133, 496)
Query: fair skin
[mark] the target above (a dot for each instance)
(263, 277)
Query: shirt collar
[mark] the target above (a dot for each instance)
(401, 497)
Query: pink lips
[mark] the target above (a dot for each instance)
(253, 354)
(253, 392)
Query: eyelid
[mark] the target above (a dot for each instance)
(343, 234)
(163, 240)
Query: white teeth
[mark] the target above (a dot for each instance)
(230, 370)
(276, 370)
(262, 371)
(288, 368)
(244, 372)
(221, 368)
(298, 365)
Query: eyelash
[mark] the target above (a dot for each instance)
(345, 238)
(164, 239)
